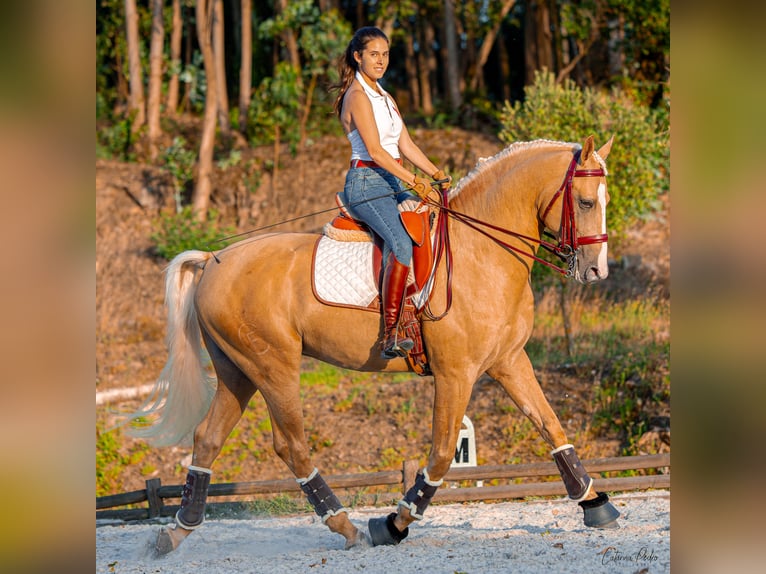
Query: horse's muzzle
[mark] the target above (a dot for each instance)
(593, 274)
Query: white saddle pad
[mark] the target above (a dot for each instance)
(343, 273)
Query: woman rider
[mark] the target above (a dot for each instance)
(379, 139)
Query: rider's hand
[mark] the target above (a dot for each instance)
(441, 175)
(421, 186)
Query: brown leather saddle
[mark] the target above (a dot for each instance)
(418, 224)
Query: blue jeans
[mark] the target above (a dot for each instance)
(372, 195)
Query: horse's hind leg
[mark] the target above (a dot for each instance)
(290, 444)
(519, 381)
(232, 395)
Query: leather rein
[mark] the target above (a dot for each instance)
(568, 240)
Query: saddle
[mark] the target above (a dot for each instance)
(418, 224)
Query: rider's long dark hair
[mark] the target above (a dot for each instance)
(347, 66)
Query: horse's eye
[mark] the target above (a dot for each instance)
(586, 203)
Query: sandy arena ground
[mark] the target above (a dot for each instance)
(537, 537)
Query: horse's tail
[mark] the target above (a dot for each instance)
(182, 395)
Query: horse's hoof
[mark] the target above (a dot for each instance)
(360, 540)
(599, 512)
(164, 544)
(384, 532)
(169, 538)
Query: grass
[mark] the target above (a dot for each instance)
(113, 456)
(623, 346)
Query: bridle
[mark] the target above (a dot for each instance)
(568, 241)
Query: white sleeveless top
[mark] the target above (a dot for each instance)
(386, 118)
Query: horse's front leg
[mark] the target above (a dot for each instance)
(519, 381)
(450, 402)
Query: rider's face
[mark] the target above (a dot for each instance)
(373, 60)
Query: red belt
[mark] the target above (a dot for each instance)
(369, 163)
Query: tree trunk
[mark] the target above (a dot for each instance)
(386, 20)
(275, 169)
(246, 65)
(176, 36)
(537, 39)
(289, 39)
(557, 46)
(425, 56)
(219, 54)
(411, 69)
(615, 44)
(136, 101)
(452, 67)
(327, 5)
(186, 98)
(155, 78)
(486, 45)
(505, 68)
(123, 92)
(201, 196)
(305, 113)
(579, 51)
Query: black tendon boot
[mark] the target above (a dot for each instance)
(194, 498)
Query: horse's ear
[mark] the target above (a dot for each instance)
(606, 148)
(587, 149)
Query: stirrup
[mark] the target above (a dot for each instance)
(396, 347)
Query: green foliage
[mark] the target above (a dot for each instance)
(179, 162)
(231, 160)
(181, 231)
(275, 106)
(633, 383)
(645, 46)
(193, 75)
(639, 161)
(112, 458)
(284, 98)
(115, 141)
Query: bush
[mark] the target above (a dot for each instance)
(179, 163)
(115, 140)
(178, 232)
(639, 161)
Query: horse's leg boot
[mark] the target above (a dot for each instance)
(395, 344)
(419, 496)
(320, 496)
(576, 480)
(193, 498)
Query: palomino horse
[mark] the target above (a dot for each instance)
(252, 306)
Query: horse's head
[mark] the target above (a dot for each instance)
(580, 214)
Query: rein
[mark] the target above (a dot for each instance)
(568, 242)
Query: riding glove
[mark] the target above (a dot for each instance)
(439, 175)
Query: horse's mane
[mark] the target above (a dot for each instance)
(510, 151)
